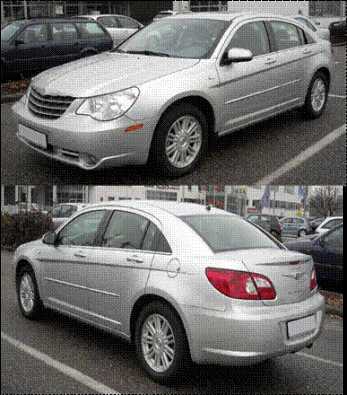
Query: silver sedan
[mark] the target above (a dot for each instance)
(165, 90)
(181, 281)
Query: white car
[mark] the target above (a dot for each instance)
(329, 223)
(323, 33)
(120, 27)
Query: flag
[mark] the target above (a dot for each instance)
(265, 200)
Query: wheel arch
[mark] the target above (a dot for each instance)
(326, 72)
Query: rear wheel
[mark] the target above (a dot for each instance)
(317, 96)
(161, 343)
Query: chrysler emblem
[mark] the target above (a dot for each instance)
(296, 276)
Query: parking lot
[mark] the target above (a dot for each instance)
(286, 150)
(59, 354)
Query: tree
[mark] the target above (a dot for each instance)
(323, 202)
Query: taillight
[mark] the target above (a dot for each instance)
(241, 285)
(313, 283)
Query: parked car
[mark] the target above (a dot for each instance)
(327, 253)
(268, 222)
(311, 24)
(295, 227)
(179, 280)
(213, 74)
(165, 14)
(62, 212)
(39, 44)
(120, 27)
(328, 223)
(338, 31)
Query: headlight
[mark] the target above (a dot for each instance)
(111, 106)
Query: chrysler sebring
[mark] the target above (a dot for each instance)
(181, 281)
(162, 93)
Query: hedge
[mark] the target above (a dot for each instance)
(17, 229)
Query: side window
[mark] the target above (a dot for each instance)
(127, 23)
(33, 34)
(253, 218)
(309, 39)
(286, 35)
(252, 36)
(67, 210)
(90, 30)
(56, 212)
(82, 230)
(331, 224)
(155, 240)
(64, 32)
(108, 21)
(125, 230)
(334, 240)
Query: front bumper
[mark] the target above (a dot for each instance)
(247, 335)
(89, 144)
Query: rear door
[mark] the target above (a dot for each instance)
(93, 37)
(120, 269)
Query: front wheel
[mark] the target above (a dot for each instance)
(180, 140)
(161, 343)
(28, 295)
(317, 96)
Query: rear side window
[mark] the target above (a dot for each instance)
(125, 230)
(34, 34)
(155, 240)
(286, 35)
(109, 21)
(90, 30)
(64, 32)
(226, 232)
(252, 36)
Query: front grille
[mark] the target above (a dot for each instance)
(45, 106)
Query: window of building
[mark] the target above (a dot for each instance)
(161, 195)
(326, 8)
(200, 6)
(9, 195)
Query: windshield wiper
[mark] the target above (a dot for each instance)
(149, 53)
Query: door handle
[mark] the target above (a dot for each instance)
(134, 259)
(80, 254)
(270, 61)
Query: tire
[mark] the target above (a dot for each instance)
(310, 111)
(181, 356)
(177, 114)
(35, 311)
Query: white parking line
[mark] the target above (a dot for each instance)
(303, 156)
(328, 361)
(61, 367)
(337, 96)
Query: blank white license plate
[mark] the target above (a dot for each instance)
(34, 137)
(299, 327)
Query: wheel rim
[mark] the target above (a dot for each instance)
(27, 293)
(318, 95)
(158, 343)
(183, 142)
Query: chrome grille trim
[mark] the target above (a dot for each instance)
(45, 106)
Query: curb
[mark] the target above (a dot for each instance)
(11, 98)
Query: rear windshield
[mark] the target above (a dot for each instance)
(226, 232)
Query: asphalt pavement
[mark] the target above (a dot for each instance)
(61, 355)
(288, 149)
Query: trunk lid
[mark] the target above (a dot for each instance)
(289, 271)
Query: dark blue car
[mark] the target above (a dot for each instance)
(327, 253)
(39, 44)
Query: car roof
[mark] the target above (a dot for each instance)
(48, 19)
(99, 15)
(227, 16)
(177, 209)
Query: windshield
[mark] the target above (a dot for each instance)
(8, 31)
(226, 232)
(179, 38)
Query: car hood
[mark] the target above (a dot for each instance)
(106, 73)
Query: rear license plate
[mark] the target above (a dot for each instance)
(301, 326)
(34, 137)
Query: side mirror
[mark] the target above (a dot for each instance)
(18, 42)
(50, 238)
(237, 55)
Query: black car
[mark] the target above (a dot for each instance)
(327, 253)
(338, 31)
(268, 222)
(39, 44)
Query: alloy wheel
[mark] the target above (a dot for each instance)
(27, 293)
(318, 95)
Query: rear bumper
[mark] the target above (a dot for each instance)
(248, 335)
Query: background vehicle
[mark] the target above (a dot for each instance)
(39, 44)
(120, 27)
(167, 13)
(328, 223)
(179, 280)
(295, 227)
(315, 222)
(327, 253)
(62, 212)
(323, 33)
(338, 32)
(268, 222)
